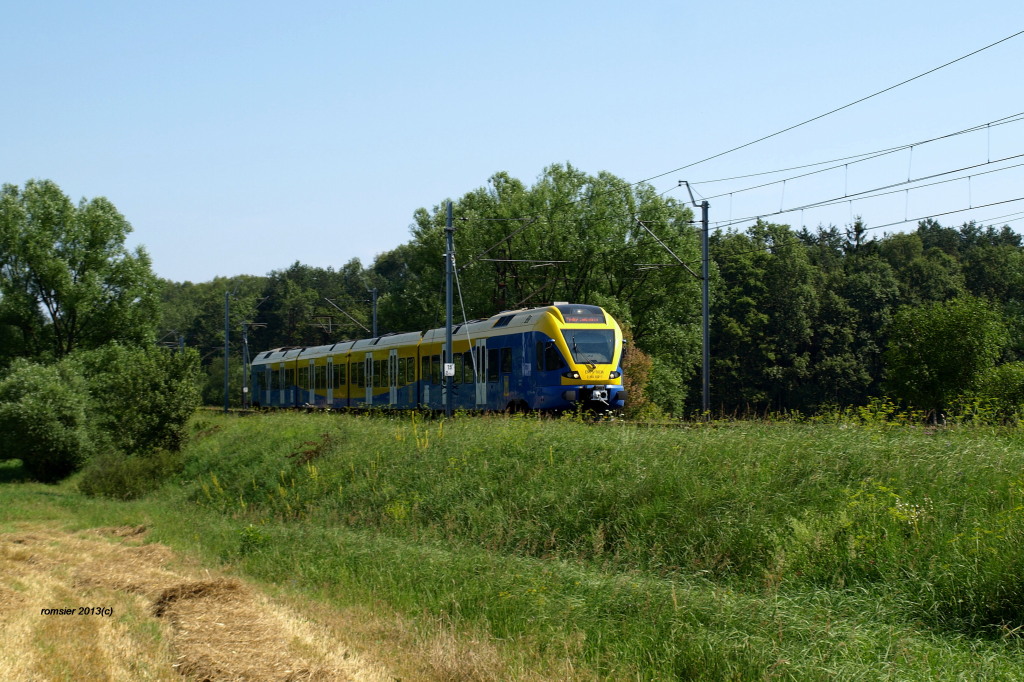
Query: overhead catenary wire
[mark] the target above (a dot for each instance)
(857, 158)
(880, 191)
(836, 110)
(861, 158)
(918, 219)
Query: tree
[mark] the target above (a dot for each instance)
(140, 398)
(66, 278)
(570, 237)
(941, 350)
(43, 419)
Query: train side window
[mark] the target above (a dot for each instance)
(410, 371)
(506, 360)
(435, 369)
(339, 375)
(425, 368)
(552, 356)
(492, 364)
(467, 360)
(402, 362)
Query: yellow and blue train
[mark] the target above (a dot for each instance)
(554, 357)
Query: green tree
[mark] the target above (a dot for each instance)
(571, 236)
(140, 397)
(43, 419)
(67, 280)
(941, 350)
(763, 315)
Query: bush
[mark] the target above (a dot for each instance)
(141, 398)
(126, 477)
(43, 419)
(1002, 387)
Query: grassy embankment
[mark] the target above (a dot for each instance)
(737, 551)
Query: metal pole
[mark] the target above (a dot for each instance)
(227, 332)
(705, 310)
(449, 231)
(704, 304)
(245, 365)
(374, 292)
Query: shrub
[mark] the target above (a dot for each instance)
(141, 398)
(43, 419)
(126, 477)
(1002, 387)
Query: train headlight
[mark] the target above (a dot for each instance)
(571, 375)
(614, 374)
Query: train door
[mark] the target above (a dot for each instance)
(283, 385)
(330, 381)
(393, 377)
(368, 377)
(311, 383)
(480, 377)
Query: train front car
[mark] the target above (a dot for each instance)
(577, 356)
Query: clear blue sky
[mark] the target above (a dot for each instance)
(239, 137)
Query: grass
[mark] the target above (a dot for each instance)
(729, 551)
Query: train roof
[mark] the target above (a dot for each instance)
(563, 312)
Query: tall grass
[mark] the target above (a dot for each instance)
(726, 548)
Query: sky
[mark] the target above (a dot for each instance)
(241, 137)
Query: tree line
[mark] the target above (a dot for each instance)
(801, 319)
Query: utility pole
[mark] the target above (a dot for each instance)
(705, 307)
(449, 358)
(227, 333)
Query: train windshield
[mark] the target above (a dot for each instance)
(590, 346)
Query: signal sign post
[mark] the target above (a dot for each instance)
(449, 258)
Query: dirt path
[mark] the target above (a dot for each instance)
(100, 605)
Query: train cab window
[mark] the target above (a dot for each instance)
(552, 357)
(492, 364)
(506, 360)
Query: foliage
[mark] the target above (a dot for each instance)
(128, 477)
(942, 349)
(140, 398)
(1002, 387)
(636, 371)
(43, 419)
(67, 281)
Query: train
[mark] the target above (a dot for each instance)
(552, 358)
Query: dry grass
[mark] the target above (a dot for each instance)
(168, 621)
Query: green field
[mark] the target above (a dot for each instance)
(852, 550)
